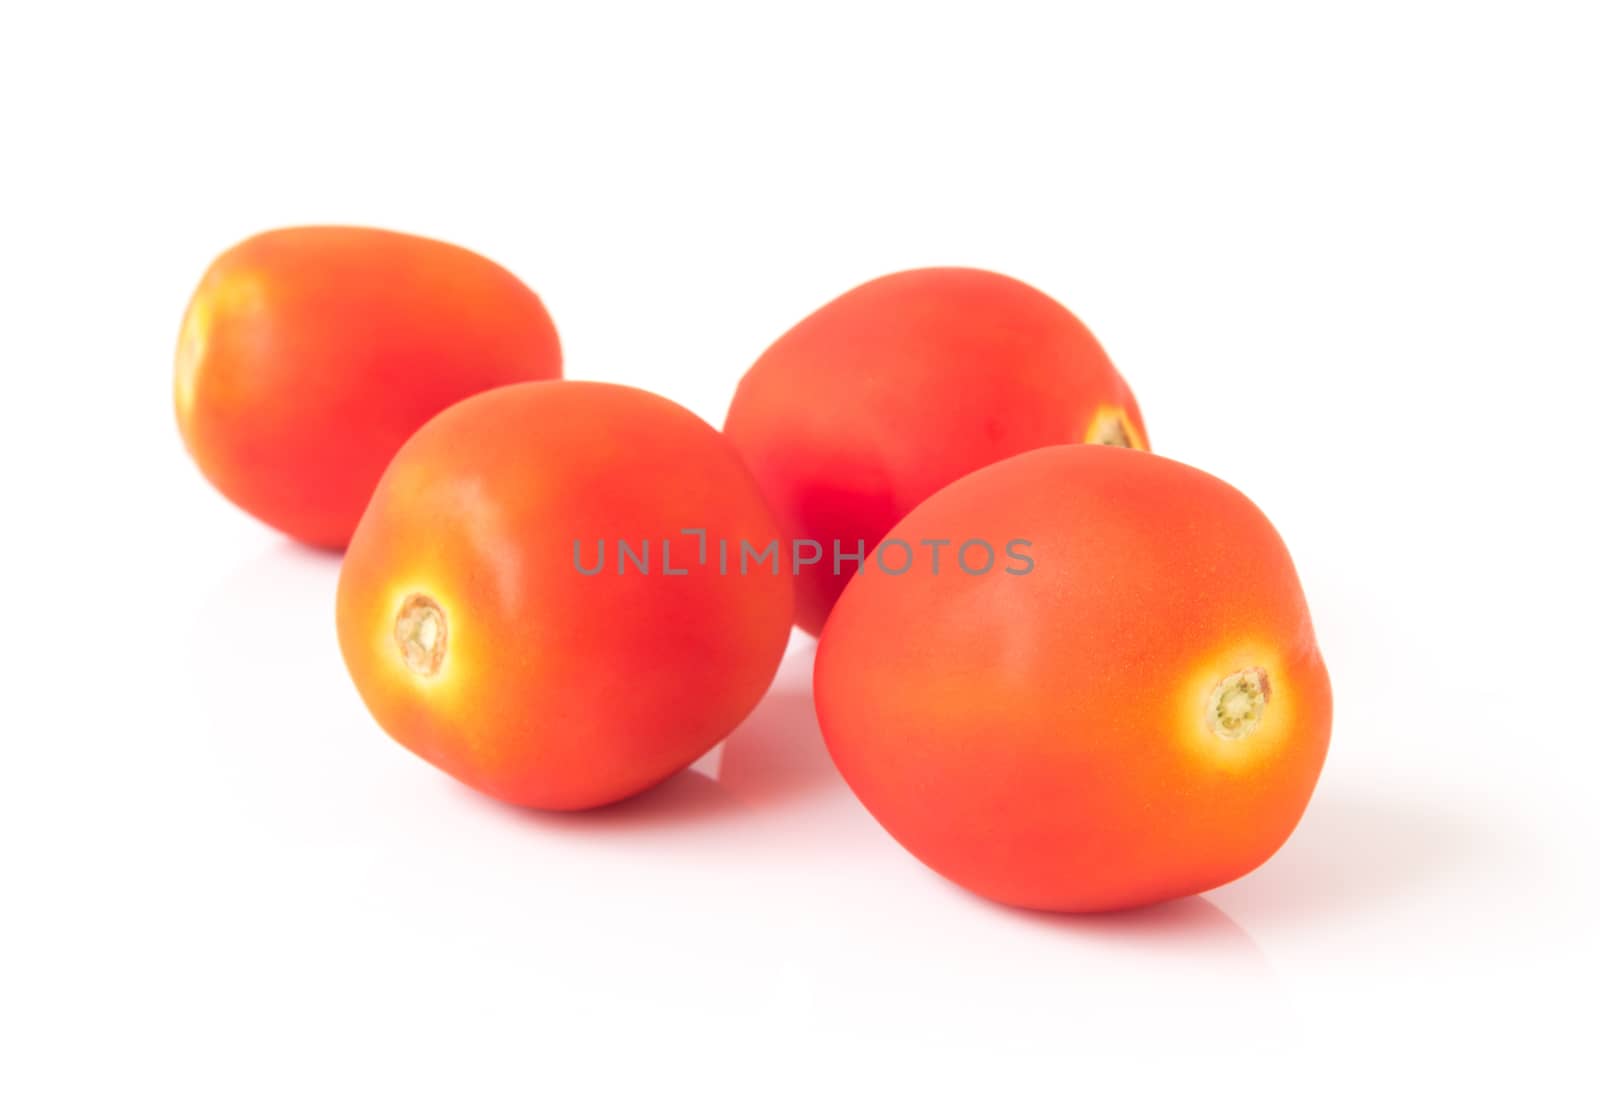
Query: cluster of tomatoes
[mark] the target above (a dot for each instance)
(563, 592)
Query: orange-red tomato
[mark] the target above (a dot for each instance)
(522, 607)
(308, 355)
(1129, 707)
(896, 388)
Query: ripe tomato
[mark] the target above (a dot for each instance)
(1140, 714)
(309, 355)
(486, 634)
(904, 384)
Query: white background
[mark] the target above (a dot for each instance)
(1349, 258)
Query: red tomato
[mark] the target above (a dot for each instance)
(1129, 706)
(309, 355)
(496, 626)
(895, 389)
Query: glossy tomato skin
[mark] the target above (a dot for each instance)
(308, 355)
(1072, 738)
(908, 382)
(539, 683)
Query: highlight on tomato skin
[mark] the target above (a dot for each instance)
(903, 385)
(536, 602)
(308, 355)
(1136, 710)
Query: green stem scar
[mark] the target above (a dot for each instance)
(1238, 703)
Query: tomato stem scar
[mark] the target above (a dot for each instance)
(423, 634)
(1110, 426)
(1238, 702)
